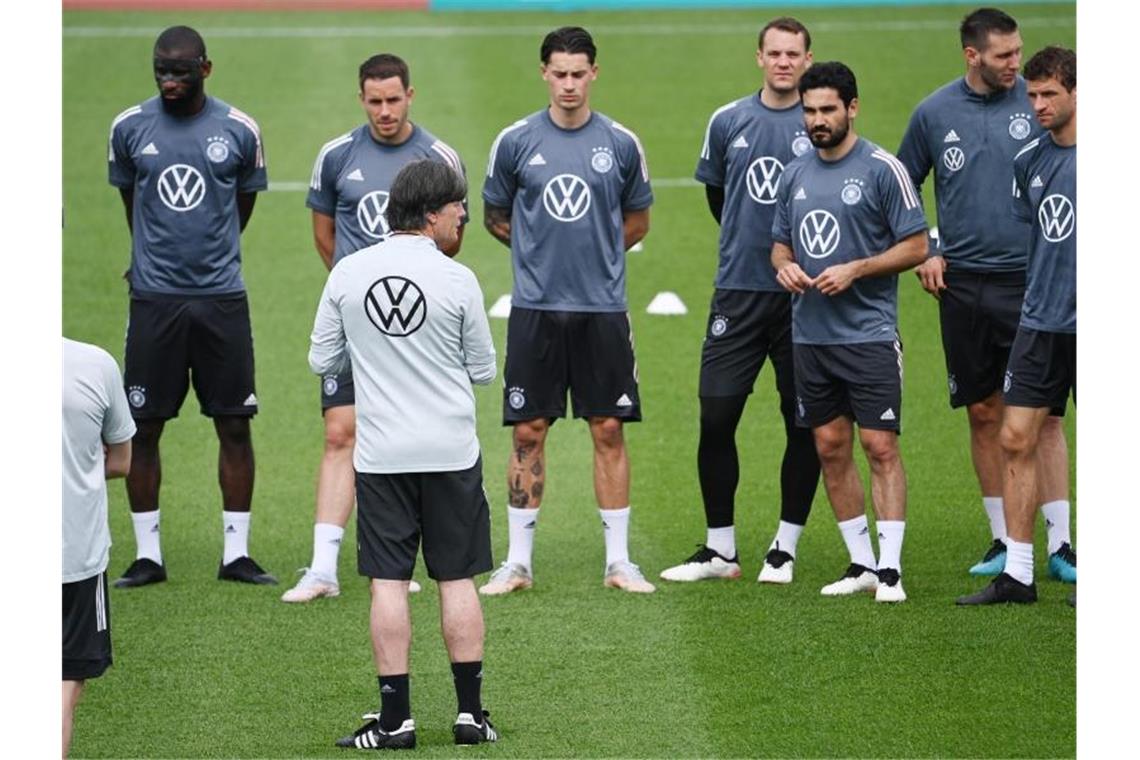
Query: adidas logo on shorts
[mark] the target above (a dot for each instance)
(888, 415)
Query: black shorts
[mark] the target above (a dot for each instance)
(979, 312)
(858, 380)
(744, 328)
(337, 390)
(591, 353)
(1042, 370)
(172, 343)
(86, 628)
(449, 509)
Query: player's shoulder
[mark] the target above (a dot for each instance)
(728, 112)
(520, 127)
(619, 132)
(136, 115)
(341, 145)
(234, 117)
(949, 95)
(79, 354)
(435, 148)
(876, 156)
(1031, 151)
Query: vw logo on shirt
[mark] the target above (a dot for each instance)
(181, 187)
(396, 306)
(819, 233)
(763, 179)
(371, 214)
(566, 197)
(1056, 217)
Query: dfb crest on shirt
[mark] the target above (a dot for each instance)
(217, 150)
(801, 144)
(602, 160)
(1055, 214)
(516, 399)
(566, 197)
(371, 214)
(1019, 126)
(953, 158)
(852, 192)
(718, 326)
(763, 179)
(136, 394)
(181, 187)
(819, 233)
(396, 306)
(329, 385)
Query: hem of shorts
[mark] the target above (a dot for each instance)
(723, 394)
(335, 405)
(973, 400)
(460, 576)
(187, 295)
(243, 411)
(549, 416)
(82, 669)
(151, 416)
(622, 414)
(573, 308)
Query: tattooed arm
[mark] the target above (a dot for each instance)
(497, 220)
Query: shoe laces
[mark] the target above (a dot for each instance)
(778, 558)
(1067, 554)
(629, 570)
(996, 549)
(854, 570)
(701, 555)
(504, 573)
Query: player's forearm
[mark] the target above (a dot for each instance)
(903, 255)
(117, 460)
(245, 203)
(497, 220)
(782, 255)
(634, 227)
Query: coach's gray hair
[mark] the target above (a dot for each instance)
(422, 187)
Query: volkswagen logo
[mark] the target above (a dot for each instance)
(763, 179)
(566, 197)
(953, 158)
(396, 306)
(1055, 214)
(371, 214)
(819, 233)
(181, 187)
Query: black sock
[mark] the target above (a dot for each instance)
(468, 683)
(717, 464)
(395, 702)
(799, 472)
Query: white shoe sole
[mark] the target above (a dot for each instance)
(632, 586)
(495, 588)
(704, 571)
(885, 593)
(849, 586)
(769, 574)
(299, 595)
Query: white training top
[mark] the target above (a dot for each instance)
(418, 337)
(95, 412)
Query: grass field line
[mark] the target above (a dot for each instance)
(301, 187)
(243, 32)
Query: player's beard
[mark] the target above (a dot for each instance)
(992, 80)
(185, 103)
(832, 138)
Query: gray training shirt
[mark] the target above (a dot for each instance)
(832, 212)
(351, 178)
(567, 189)
(413, 322)
(1045, 196)
(747, 146)
(186, 173)
(95, 412)
(969, 140)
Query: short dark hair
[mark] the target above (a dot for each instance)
(568, 39)
(182, 39)
(785, 24)
(831, 75)
(1053, 62)
(385, 66)
(978, 25)
(422, 187)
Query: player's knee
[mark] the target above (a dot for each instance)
(985, 415)
(831, 447)
(1016, 440)
(339, 436)
(530, 433)
(147, 433)
(607, 432)
(882, 451)
(233, 431)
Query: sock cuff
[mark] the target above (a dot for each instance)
(992, 501)
(854, 522)
(229, 516)
(1058, 504)
(521, 513)
(145, 516)
(328, 529)
(891, 524)
(623, 512)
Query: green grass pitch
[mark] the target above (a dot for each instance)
(205, 669)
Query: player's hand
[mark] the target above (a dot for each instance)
(929, 273)
(836, 279)
(792, 278)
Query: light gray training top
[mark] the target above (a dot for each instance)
(351, 177)
(567, 189)
(95, 412)
(186, 173)
(833, 212)
(969, 141)
(413, 323)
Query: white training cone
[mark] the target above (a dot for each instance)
(501, 309)
(637, 247)
(666, 302)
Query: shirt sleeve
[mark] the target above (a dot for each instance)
(120, 165)
(782, 217)
(913, 151)
(322, 183)
(501, 182)
(118, 426)
(478, 348)
(710, 165)
(252, 177)
(328, 349)
(899, 200)
(1021, 207)
(636, 193)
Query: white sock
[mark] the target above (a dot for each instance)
(1019, 560)
(147, 544)
(1056, 515)
(857, 536)
(615, 526)
(722, 541)
(235, 535)
(995, 511)
(890, 543)
(326, 549)
(787, 536)
(521, 524)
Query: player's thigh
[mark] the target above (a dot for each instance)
(603, 368)
(86, 628)
(156, 370)
(388, 518)
(736, 342)
(535, 374)
(337, 389)
(221, 357)
(821, 395)
(456, 524)
(873, 373)
(1041, 371)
